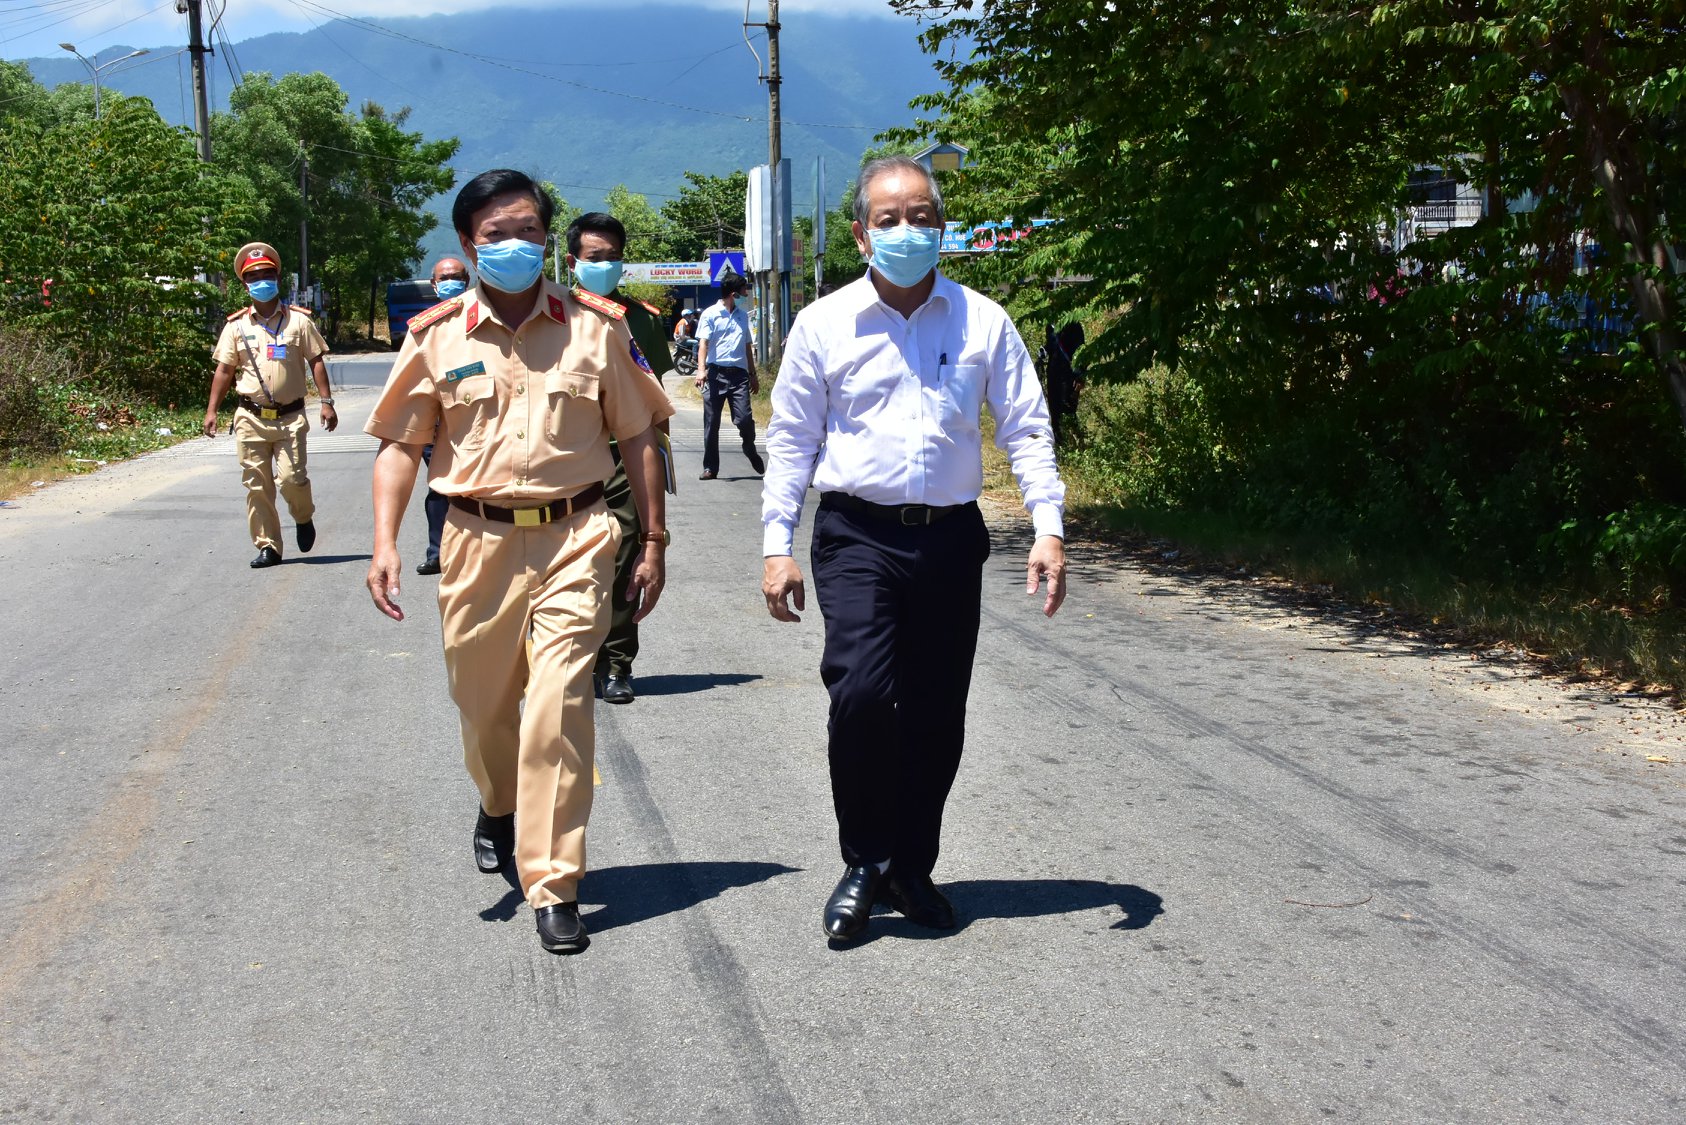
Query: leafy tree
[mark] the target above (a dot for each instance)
(1233, 185)
(105, 230)
(647, 230)
(707, 214)
(22, 98)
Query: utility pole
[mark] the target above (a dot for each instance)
(304, 220)
(197, 49)
(778, 281)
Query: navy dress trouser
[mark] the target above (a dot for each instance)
(726, 386)
(901, 608)
(436, 505)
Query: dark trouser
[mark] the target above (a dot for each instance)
(620, 647)
(901, 609)
(435, 506)
(723, 384)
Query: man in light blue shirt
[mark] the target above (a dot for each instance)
(726, 373)
(877, 405)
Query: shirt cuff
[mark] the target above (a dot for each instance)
(1047, 519)
(776, 539)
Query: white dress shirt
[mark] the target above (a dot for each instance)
(886, 408)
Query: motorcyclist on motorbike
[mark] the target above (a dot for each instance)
(685, 343)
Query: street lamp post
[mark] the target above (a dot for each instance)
(95, 70)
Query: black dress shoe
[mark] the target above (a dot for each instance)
(617, 689)
(560, 928)
(707, 474)
(428, 566)
(307, 535)
(917, 899)
(850, 905)
(494, 841)
(756, 463)
(267, 556)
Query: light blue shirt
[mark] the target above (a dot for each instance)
(887, 408)
(727, 333)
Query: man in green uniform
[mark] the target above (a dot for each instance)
(596, 246)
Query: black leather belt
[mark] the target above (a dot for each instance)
(532, 517)
(270, 413)
(908, 515)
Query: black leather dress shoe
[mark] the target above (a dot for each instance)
(560, 928)
(267, 556)
(707, 474)
(756, 463)
(917, 899)
(850, 905)
(307, 535)
(428, 566)
(617, 689)
(494, 841)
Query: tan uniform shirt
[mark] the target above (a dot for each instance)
(525, 413)
(283, 355)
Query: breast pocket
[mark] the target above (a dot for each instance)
(962, 394)
(575, 415)
(469, 406)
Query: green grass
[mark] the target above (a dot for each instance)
(130, 430)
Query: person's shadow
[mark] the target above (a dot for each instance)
(975, 899)
(328, 560)
(688, 683)
(637, 892)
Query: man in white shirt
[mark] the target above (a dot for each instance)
(877, 405)
(726, 373)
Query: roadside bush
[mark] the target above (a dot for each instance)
(35, 378)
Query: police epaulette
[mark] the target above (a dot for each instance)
(653, 310)
(602, 304)
(428, 316)
(238, 313)
(302, 309)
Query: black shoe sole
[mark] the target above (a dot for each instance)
(566, 947)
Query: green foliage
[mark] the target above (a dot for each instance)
(34, 379)
(104, 229)
(360, 180)
(707, 214)
(1232, 184)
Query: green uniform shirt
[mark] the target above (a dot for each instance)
(647, 332)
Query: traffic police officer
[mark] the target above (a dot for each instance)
(271, 346)
(596, 246)
(525, 383)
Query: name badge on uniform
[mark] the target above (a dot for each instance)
(277, 351)
(475, 368)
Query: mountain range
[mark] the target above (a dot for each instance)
(587, 98)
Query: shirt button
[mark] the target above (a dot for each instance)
(520, 433)
(522, 389)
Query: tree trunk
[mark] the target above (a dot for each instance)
(1633, 215)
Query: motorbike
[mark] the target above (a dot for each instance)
(685, 356)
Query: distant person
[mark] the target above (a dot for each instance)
(272, 347)
(686, 326)
(726, 373)
(1065, 378)
(596, 245)
(524, 385)
(450, 279)
(877, 406)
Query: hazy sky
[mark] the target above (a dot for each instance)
(35, 29)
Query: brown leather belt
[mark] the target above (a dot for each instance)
(908, 515)
(532, 517)
(270, 413)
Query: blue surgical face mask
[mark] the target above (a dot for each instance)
(599, 277)
(904, 254)
(450, 287)
(263, 291)
(512, 265)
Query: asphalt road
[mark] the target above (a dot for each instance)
(1215, 860)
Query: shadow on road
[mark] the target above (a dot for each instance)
(641, 891)
(975, 899)
(686, 683)
(328, 560)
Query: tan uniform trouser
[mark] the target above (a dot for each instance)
(523, 611)
(264, 446)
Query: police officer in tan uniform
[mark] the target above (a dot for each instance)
(526, 383)
(265, 351)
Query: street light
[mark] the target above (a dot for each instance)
(95, 70)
